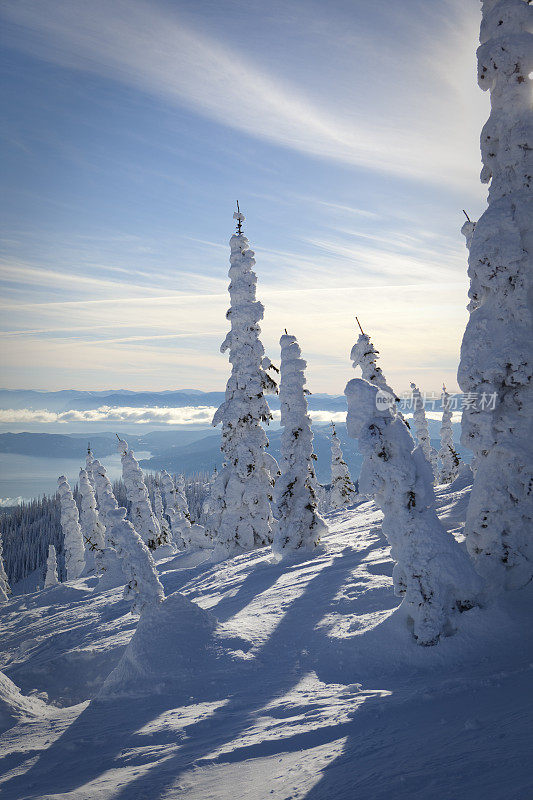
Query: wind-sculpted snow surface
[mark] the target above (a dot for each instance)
(74, 550)
(298, 523)
(342, 492)
(496, 354)
(142, 516)
(262, 679)
(432, 572)
(92, 529)
(240, 513)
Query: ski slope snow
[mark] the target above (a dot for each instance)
(260, 679)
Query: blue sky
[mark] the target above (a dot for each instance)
(348, 131)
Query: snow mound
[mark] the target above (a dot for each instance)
(14, 706)
(171, 649)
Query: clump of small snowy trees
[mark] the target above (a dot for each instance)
(496, 353)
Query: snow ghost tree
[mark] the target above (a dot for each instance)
(365, 355)
(143, 585)
(112, 574)
(449, 459)
(166, 534)
(422, 429)
(185, 534)
(495, 371)
(74, 550)
(92, 529)
(298, 523)
(142, 516)
(432, 573)
(51, 568)
(342, 492)
(241, 517)
(89, 460)
(5, 589)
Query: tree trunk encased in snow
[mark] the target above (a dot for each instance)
(422, 429)
(141, 513)
(5, 589)
(51, 578)
(342, 492)
(240, 513)
(432, 572)
(496, 353)
(70, 523)
(298, 523)
(143, 585)
(449, 460)
(92, 529)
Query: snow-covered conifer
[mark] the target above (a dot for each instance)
(365, 355)
(5, 589)
(141, 512)
(495, 371)
(92, 529)
(89, 459)
(184, 533)
(143, 585)
(449, 460)
(432, 572)
(166, 534)
(342, 492)
(51, 568)
(70, 523)
(112, 574)
(241, 516)
(298, 523)
(422, 429)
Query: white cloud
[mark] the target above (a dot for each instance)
(380, 109)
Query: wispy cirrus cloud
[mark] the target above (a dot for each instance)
(381, 110)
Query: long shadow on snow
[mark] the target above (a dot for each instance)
(94, 743)
(277, 669)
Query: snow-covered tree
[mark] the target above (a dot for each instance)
(241, 516)
(51, 568)
(5, 589)
(432, 572)
(70, 523)
(143, 585)
(495, 371)
(365, 356)
(141, 513)
(166, 534)
(449, 460)
(298, 523)
(184, 533)
(112, 574)
(342, 492)
(92, 529)
(422, 429)
(89, 459)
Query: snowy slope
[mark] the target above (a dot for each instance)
(293, 680)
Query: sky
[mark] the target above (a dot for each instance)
(348, 131)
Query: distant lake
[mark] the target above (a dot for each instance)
(27, 477)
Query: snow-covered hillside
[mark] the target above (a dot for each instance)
(283, 680)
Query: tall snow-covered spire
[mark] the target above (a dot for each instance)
(422, 429)
(298, 523)
(241, 517)
(365, 355)
(92, 529)
(342, 492)
(89, 460)
(449, 460)
(496, 354)
(70, 523)
(432, 572)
